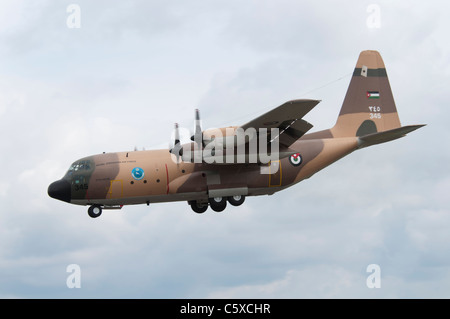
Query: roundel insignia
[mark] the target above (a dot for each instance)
(137, 173)
(295, 159)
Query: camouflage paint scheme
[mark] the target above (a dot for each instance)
(368, 116)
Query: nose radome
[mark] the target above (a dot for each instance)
(60, 190)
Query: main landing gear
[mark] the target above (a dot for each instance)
(217, 204)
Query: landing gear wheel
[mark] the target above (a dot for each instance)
(236, 200)
(197, 207)
(218, 204)
(94, 211)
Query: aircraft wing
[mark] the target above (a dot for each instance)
(287, 118)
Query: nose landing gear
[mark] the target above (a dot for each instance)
(95, 211)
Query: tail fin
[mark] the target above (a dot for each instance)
(368, 106)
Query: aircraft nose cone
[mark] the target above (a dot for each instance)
(60, 190)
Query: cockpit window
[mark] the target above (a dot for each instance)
(81, 165)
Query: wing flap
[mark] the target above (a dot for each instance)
(287, 118)
(293, 131)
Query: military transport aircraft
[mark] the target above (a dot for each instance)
(231, 169)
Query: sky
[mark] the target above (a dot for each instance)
(115, 75)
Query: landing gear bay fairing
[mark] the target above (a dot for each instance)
(224, 166)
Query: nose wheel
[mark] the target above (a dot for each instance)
(94, 211)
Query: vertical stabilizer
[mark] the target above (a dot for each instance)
(369, 105)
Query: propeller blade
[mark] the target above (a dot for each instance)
(198, 135)
(177, 134)
(177, 150)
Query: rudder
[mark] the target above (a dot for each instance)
(369, 105)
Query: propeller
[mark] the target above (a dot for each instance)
(198, 135)
(177, 150)
(198, 138)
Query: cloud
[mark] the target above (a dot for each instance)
(333, 282)
(135, 68)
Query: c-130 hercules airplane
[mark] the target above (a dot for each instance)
(110, 180)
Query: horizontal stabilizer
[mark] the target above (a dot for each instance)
(386, 136)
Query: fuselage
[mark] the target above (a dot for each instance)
(138, 177)
(368, 116)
